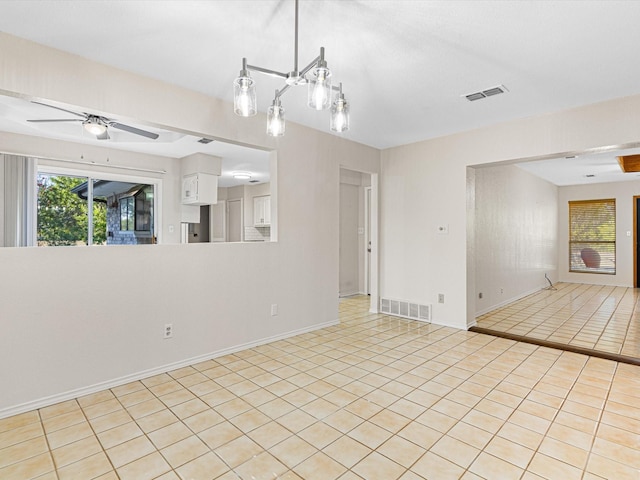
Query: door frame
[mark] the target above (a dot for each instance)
(367, 239)
(635, 240)
(374, 302)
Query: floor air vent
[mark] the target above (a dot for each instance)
(489, 92)
(400, 308)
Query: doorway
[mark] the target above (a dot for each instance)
(636, 237)
(218, 221)
(357, 248)
(234, 220)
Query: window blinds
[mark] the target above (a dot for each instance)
(592, 236)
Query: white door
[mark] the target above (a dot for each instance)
(218, 221)
(234, 220)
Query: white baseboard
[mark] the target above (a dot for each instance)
(80, 392)
(350, 294)
(508, 301)
(440, 323)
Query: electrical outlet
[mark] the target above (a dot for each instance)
(501, 291)
(441, 298)
(274, 309)
(168, 330)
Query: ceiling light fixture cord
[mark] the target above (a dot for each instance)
(295, 42)
(319, 90)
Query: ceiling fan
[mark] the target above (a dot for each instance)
(95, 124)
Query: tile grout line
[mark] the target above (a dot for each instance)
(49, 449)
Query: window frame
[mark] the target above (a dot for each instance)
(145, 212)
(98, 174)
(575, 266)
(135, 210)
(127, 223)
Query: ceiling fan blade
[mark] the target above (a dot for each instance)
(134, 130)
(62, 109)
(103, 136)
(57, 120)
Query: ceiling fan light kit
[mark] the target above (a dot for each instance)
(95, 124)
(319, 91)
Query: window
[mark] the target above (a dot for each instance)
(144, 209)
(592, 236)
(80, 210)
(64, 216)
(126, 214)
(136, 209)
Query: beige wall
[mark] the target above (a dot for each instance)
(623, 192)
(65, 337)
(516, 235)
(63, 342)
(2, 207)
(424, 185)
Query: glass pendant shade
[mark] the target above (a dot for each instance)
(275, 119)
(244, 96)
(340, 115)
(319, 90)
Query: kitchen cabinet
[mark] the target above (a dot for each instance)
(262, 211)
(200, 189)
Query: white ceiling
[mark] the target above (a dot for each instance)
(405, 64)
(583, 169)
(14, 113)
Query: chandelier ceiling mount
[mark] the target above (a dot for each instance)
(318, 84)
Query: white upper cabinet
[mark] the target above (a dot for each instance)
(262, 211)
(200, 189)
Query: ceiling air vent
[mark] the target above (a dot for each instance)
(489, 92)
(204, 141)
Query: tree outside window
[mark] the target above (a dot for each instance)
(63, 216)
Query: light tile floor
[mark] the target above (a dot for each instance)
(375, 397)
(596, 317)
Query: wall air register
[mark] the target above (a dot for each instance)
(401, 308)
(489, 92)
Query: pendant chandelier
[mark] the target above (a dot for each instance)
(318, 84)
